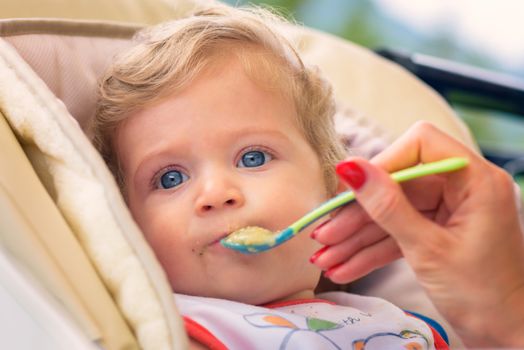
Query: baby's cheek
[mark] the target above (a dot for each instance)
(198, 252)
(166, 244)
(180, 268)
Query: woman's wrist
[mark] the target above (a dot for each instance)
(514, 325)
(501, 327)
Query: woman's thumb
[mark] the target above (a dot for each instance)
(384, 201)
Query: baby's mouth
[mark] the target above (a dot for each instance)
(220, 237)
(214, 243)
(225, 233)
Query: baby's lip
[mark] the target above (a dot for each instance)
(230, 230)
(220, 237)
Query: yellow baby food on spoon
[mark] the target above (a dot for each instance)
(251, 235)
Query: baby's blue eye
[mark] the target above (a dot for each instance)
(172, 178)
(253, 159)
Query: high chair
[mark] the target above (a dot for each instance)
(75, 271)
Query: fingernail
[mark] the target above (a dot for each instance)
(332, 269)
(317, 229)
(352, 174)
(318, 253)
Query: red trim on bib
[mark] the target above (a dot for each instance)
(440, 343)
(199, 333)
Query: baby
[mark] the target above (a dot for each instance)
(213, 123)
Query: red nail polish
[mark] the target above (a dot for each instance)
(352, 174)
(318, 253)
(332, 269)
(315, 231)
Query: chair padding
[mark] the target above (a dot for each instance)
(83, 190)
(35, 232)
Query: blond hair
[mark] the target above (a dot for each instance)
(169, 56)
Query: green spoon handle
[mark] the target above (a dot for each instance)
(441, 166)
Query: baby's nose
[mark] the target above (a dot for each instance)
(218, 196)
(228, 203)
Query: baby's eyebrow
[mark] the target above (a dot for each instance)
(148, 160)
(254, 130)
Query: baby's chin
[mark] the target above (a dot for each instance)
(242, 293)
(257, 299)
(254, 293)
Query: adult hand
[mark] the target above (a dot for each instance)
(460, 232)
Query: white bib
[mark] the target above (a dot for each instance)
(335, 321)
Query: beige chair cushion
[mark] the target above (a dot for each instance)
(385, 93)
(125, 11)
(69, 56)
(34, 231)
(83, 190)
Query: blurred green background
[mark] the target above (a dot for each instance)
(387, 24)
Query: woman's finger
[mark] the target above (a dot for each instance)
(386, 204)
(335, 254)
(348, 220)
(422, 143)
(365, 237)
(425, 194)
(365, 261)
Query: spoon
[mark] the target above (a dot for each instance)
(254, 239)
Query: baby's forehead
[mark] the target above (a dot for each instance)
(237, 74)
(262, 66)
(265, 66)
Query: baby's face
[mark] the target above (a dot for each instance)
(221, 155)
